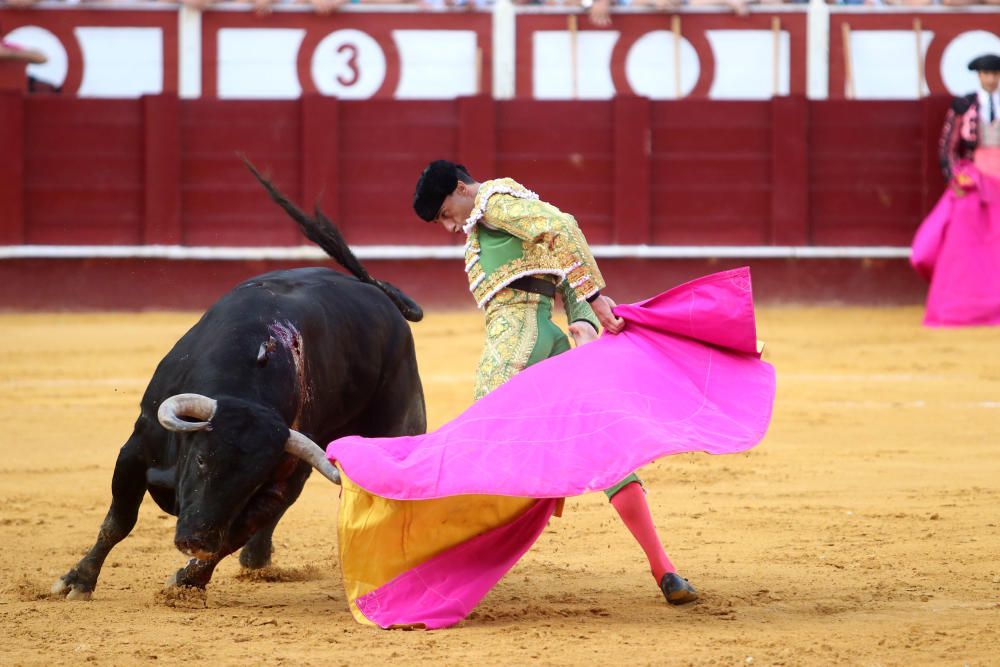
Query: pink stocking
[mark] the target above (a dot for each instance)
(631, 505)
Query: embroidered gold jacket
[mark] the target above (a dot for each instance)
(551, 243)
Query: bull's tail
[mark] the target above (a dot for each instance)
(325, 234)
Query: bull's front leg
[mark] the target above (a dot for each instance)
(128, 485)
(257, 552)
(197, 573)
(265, 517)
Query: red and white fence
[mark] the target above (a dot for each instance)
(682, 142)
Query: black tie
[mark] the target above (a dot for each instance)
(993, 111)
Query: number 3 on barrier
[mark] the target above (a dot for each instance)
(352, 65)
(348, 64)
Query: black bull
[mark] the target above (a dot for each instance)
(225, 426)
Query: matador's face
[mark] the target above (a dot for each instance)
(457, 207)
(989, 80)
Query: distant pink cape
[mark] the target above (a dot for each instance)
(957, 248)
(684, 376)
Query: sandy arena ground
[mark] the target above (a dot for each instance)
(863, 530)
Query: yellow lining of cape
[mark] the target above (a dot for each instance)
(379, 538)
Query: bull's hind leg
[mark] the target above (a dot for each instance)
(127, 488)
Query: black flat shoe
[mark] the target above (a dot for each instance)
(676, 589)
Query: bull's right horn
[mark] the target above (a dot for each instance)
(194, 406)
(311, 453)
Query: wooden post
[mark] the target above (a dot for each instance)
(790, 220)
(12, 130)
(320, 154)
(479, 71)
(632, 220)
(572, 25)
(776, 55)
(675, 28)
(845, 34)
(161, 222)
(919, 38)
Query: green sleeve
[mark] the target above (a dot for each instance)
(577, 311)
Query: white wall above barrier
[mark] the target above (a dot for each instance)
(258, 63)
(404, 52)
(437, 64)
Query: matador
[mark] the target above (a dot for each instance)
(520, 252)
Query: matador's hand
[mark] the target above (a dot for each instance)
(582, 332)
(602, 306)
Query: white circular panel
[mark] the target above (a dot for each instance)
(54, 71)
(650, 69)
(957, 55)
(348, 64)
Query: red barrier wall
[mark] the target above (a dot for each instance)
(159, 170)
(781, 172)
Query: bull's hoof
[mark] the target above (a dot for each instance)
(196, 574)
(178, 580)
(77, 594)
(255, 559)
(71, 591)
(676, 589)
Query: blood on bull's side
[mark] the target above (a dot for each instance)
(226, 432)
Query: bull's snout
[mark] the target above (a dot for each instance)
(201, 546)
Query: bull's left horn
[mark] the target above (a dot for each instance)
(174, 409)
(311, 453)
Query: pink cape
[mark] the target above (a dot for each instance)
(684, 376)
(957, 248)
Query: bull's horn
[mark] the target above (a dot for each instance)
(194, 406)
(311, 453)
